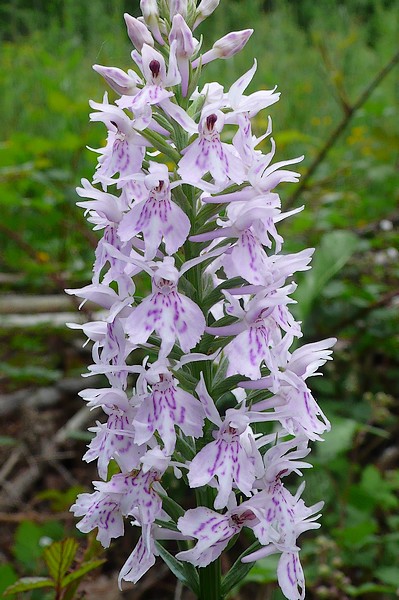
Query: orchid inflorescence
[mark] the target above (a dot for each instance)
(196, 216)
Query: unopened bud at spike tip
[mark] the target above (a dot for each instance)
(204, 9)
(149, 8)
(117, 79)
(181, 34)
(138, 32)
(178, 7)
(232, 43)
(226, 47)
(185, 42)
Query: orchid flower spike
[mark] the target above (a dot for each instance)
(191, 327)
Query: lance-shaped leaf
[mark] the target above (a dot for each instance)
(217, 294)
(82, 571)
(227, 385)
(26, 584)
(239, 570)
(158, 141)
(173, 509)
(185, 572)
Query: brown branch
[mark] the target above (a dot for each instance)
(337, 84)
(331, 140)
(55, 276)
(19, 486)
(34, 516)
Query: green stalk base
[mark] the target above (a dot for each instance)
(210, 582)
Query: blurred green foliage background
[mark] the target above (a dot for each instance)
(322, 55)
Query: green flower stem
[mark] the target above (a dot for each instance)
(210, 581)
(210, 577)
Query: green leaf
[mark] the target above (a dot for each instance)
(27, 549)
(174, 510)
(264, 570)
(187, 288)
(335, 250)
(185, 572)
(194, 80)
(184, 448)
(59, 557)
(205, 213)
(167, 525)
(82, 571)
(388, 575)
(227, 385)
(28, 583)
(239, 570)
(7, 577)
(338, 442)
(368, 588)
(7, 440)
(186, 380)
(217, 293)
(158, 141)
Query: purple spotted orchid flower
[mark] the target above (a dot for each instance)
(166, 407)
(114, 440)
(232, 458)
(157, 217)
(158, 79)
(257, 331)
(125, 149)
(191, 280)
(213, 532)
(101, 511)
(208, 154)
(169, 313)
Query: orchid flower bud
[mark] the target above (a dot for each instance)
(123, 83)
(138, 32)
(227, 46)
(178, 7)
(185, 46)
(204, 9)
(186, 43)
(149, 8)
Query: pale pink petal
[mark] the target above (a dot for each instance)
(114, 440)
(205, 464)
(162, 411)
(213, 532)
(207, 402)
(247, 352)
(247, 259)
(102, 511)
(189, 322)
(137, 494)
(139, 562)
(290, 576)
